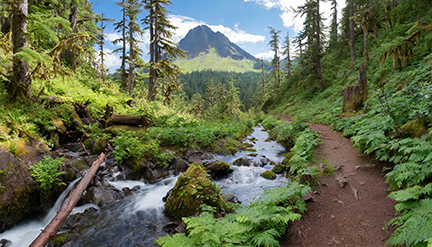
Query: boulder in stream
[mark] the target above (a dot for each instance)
(243, 161)
(269, 175)
(279, 168)
(191, 190)
(19, 192)
(217, 168)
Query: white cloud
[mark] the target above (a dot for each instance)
(289, 17)
(265, 55)
(110, 37)
(112, 59)
(235, 35)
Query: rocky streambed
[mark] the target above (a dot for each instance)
(115, 211)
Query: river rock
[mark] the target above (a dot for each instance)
(217, 169)
(244, 161)
(5, 243)
(102, 195)
(191, 190)
(180, 165)
(269, 175)
(19, 193)
(279, 168)
(197, 156)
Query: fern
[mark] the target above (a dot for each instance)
(414, 226)
(259, 224)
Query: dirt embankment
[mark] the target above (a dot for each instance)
(348, 209)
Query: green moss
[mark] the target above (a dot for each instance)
(279, 168)
(80, 164)
(250, 150)
(416, 128)
(192, 190)
(269, 175)
(59, 240)
(100, 145)
(115, 130)
(252, 154)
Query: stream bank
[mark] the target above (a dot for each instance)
(130, 213)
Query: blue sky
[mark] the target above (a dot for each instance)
(244, 22)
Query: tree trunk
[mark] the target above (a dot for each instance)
(352, 32)
(20, 86)
(131, 60)
(68, 205)
(129, 120)
(123, 64)
(5, 24)
(356, 96)
(152, 75)
(318, 32)
(262, 78)
(366, 43)
(73, 19)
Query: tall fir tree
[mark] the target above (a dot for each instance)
(286, 52)
(121, 27)
(133, 8)
(160, 44)
(274, 44)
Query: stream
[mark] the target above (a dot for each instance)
(138, 220)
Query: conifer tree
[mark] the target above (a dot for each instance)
(134, 61)
(73, 19)
(101, 42)
(20, 85)
(274, 44)
(334, 25)
(160, 43)
(262, 78)
(286, 52)
(352, 32)
(121, 27)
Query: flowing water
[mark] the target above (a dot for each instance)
(24, 233)
(138, 219)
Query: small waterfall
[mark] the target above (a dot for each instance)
(24, 233)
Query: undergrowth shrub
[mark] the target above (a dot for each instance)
(259, 224)
(303, 150)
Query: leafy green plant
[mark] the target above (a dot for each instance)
(303, 150)
(47, 172)
(259, 224)
(127, 145)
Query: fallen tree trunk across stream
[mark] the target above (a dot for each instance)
(68, 205)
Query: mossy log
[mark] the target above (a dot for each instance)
(356, 96)
(129, 120)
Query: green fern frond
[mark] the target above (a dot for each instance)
(415, 226)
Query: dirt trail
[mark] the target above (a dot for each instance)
(336, 217)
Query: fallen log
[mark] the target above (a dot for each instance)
(68, 205)
(129, 120)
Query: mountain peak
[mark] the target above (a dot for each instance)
(202, 39)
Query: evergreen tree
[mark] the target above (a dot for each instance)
(286, 52)
(121, 27)
(160, 43)
(274, 44)
(334, 25)
(133, 8)
(262, 78)
(20, 85)
(313, 34)
(352, 32)
(101, 43)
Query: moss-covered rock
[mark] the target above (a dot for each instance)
(19, 193)
(268, 175)
(252, 154)
(416, 128)
(100, 145)
(279, 168)
(116, 129)
(218, 168)
(192, 190)
(288, 156)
